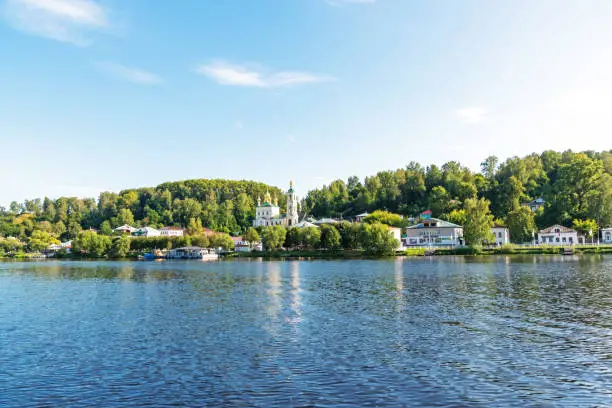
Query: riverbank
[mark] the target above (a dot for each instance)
(356, 254)
(479, 251)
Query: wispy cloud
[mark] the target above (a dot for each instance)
(240, 75)
(135, 75)
(291, 139)
(238, 125)
(472, 114)
(69, 21)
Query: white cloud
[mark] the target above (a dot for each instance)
(472, 114)
(240, 75)
(238, 125)
(135, 75)
(69, 21)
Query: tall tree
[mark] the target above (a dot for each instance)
(478, 221)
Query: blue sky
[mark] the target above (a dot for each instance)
(110, 94)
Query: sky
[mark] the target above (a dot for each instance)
(102, 95)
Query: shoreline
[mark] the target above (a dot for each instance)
(355, 255)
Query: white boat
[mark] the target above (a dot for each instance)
(192, 252)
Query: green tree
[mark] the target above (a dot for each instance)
(377, 239)
(578, 183)
(330, 237)
(195, 226)
(40, 240)
(458, 217)
(588, 228)
(222, 240)
(105, 228)
(478, 222)
(273, 237)
(125, 217)
(521, 225)
(387, 218)
(120, 246)
(251, 236)
(92, 244)
(310, 237)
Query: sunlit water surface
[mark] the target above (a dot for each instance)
(490, 332)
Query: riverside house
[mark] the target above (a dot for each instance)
(434, 232)
(172, 232)
(558, 235)
(606, 235)
(501, 234)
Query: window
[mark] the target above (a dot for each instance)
(499, 235)
(564, 240)
(571, 239)
(557, 239)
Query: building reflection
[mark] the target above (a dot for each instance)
(295, 293)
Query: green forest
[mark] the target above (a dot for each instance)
(577, 188)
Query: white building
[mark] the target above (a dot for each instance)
(147, 232)
(501, 234)
(360, 217)
(397, 234)
(434, 232)
(125, 229)
(535, 205)
(558, 235)
(268, 212)
(606, 235)
(172, 232)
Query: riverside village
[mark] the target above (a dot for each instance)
(283, 230)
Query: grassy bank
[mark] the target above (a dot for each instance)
(473, 251)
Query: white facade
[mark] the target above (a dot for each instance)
(535, 205)
(397, 234)
(501, 234)
(147, 232)
(434, 232)
(558, 235)
(126, 229)
(268, 212)
(606, 235)
(172, 232)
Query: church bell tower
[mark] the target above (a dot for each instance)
(292, 206)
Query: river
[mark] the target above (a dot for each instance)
(514, 331)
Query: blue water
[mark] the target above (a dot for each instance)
(454, 332)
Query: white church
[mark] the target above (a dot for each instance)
(268, 212)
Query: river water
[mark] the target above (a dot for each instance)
(450, 331)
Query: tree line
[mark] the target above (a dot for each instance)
(577, 188)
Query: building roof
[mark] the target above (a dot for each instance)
(147, 229)
(125, 227)
(499, 226)
(365, 214)
(325, 221)
(553, 229)
(172, 229)
(304, 224)
(441, 224)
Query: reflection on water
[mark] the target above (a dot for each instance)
(465, 331)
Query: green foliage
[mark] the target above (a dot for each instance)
(330, 237)
(91, 244)
(586, 227)
(105, 228)
(478, 222)
(252, 236)
(222, 241)
(377, 239)
(195, 226)
(521, 225)
(349, 235)
(40, 240)
(458, 217)
(310, 237)
(120, 246)
(387, 218)
(273, 237)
